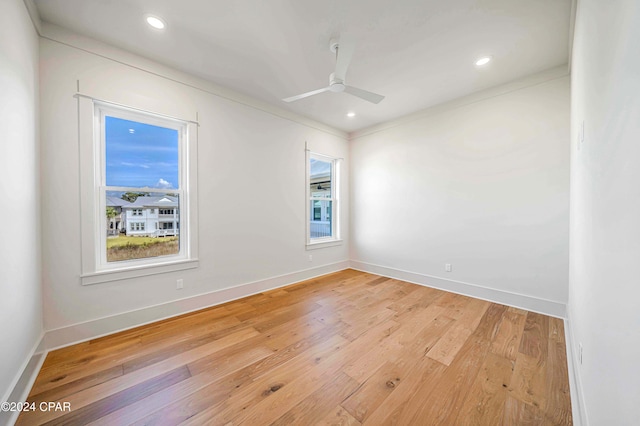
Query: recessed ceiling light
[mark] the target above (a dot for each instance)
(483, 61)
(155, 22)
(351, 114)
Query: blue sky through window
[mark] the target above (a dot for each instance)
(140, 155)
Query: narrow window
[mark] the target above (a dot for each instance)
(323, 201)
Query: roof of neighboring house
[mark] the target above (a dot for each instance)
(116, 202)
(320, 168)
(148, 201)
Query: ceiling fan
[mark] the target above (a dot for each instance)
(343, 50)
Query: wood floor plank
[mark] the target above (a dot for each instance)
(121, 399)
(266, 313)
(391, 349)
(273, 395)
(89, 361)
(431, 333)
(408, 393)
(121, 383)
(237, 332)
(529, 380)
(485, 402)
(407, 349)
(241, 404)
(269, 409)
(519, 413)
(448, 394)
(221, 375)
(215, 403)
(287, 315)
(359, 323)
(345, 348)
(317, 404)
(293, 331)
(390, 292)
(454, 339)
(558, 403)
(314, 342)
(507, 342)
(419, 298)
(346, 297)
(518, 311)
(361, 368)
(69, 388)
(454, 304)
(366, 399)
(338, 417)
(212, 360)
(535, 336)
(424, 373)
(120, 341)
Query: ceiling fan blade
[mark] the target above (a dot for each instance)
(305, 95)
(363, 94)
(346, 46)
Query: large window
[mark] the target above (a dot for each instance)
(141, 193)
(322, 191)
(142, 167)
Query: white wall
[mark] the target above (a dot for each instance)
(482, 185)
(251, 185)
(20, 280)
(604, 296)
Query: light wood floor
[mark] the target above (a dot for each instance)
(347, 348)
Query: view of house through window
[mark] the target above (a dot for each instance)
(141, 190)
(321, 198)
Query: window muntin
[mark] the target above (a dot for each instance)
(323, 201)
(137, 226)
(142, 159)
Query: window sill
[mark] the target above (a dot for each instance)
(137, 271)
(323, 244)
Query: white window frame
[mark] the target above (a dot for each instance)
(334, 239)
(95, 268)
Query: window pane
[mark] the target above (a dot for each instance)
(142, 225)
(140, 155)
(320, 179)
(320, 220)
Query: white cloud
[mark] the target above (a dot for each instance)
(163, 184)
(124, 163)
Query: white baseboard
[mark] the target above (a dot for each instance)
(575, 384)
(81, 332)
(529, 303)
(23, 382)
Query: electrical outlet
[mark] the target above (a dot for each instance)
(447, 267)
(310, 258)
(179, 284)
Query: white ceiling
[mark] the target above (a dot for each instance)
(418, 53)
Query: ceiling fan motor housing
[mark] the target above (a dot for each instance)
(335, 84)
